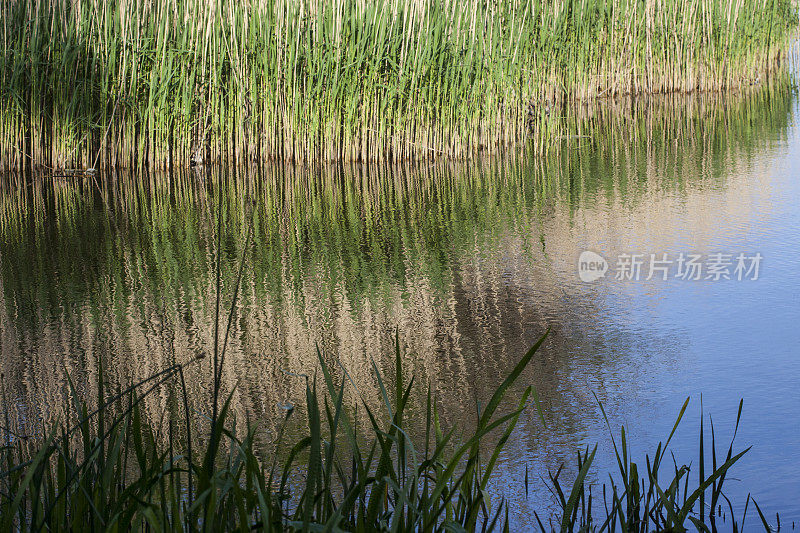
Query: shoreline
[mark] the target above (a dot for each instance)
(566, 117)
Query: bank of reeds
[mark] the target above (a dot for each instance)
(123, 83)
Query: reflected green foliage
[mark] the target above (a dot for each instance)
(374, 222)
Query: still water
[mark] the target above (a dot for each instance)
(469, 262)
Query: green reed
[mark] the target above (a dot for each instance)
(111, 469)
(154, 83)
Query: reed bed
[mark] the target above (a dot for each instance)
(152, 83)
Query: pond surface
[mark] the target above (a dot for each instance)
(469, 263)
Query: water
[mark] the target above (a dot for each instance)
(469, 263)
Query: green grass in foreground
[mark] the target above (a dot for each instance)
(109, 472)
(158, 82)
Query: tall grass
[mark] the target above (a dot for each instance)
(111, 469)
(122, 83)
